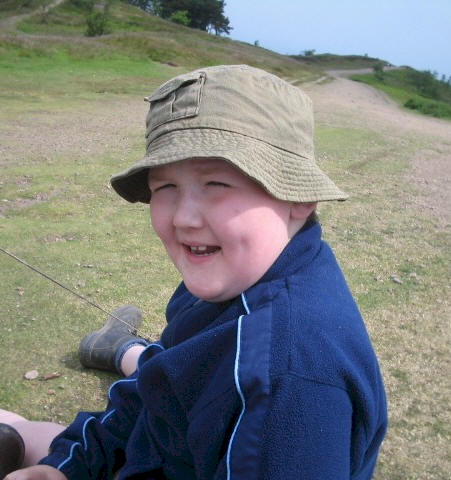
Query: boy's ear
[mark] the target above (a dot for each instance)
(301, 211)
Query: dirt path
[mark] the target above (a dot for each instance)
(8, 24)
(354, 104)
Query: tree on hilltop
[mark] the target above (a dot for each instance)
(207, 15)
(143, 5)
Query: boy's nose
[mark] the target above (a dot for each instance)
(187, 213)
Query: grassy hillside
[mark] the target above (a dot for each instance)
(329, 61)
(419, 91)
(47, 58)
(136, 35)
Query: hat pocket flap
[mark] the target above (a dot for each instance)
(175, 84)
(179, 98)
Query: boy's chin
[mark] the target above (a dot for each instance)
(210, 295)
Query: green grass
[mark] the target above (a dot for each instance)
(429, 107)
(61, 74)
(398, 85)
(77, 231)
(139, 35)
(70, 17)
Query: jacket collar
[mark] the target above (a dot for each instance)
(300, 251)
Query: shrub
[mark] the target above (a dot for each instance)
(436, 109)
(181, 17)
(97, 24)
(424, 82)
(378, 69)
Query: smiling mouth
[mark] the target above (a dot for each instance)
(202, 250)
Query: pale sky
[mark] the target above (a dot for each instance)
(403, 32)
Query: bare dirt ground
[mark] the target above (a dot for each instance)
(77, 133)
(355, 104)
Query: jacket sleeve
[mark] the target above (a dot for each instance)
(307, 431)
(93, 445)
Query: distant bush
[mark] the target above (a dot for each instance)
(97, 24)
(425, 83)
(436, 109)
(97, 20)
(378, 69)
(181, 17)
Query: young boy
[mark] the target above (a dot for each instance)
(265, 369)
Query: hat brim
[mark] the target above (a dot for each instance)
(300, 181)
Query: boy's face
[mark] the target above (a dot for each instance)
(220, 228)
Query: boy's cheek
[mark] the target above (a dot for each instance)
(156, 219)
(160, 231)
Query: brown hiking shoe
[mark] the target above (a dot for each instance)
(102, 348)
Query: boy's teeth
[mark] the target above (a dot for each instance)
(198, 249)
(202, 250)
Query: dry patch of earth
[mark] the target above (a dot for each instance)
(347, 103)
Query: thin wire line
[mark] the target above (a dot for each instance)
(81, 297)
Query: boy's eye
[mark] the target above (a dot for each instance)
(217, 184)
(162, 187)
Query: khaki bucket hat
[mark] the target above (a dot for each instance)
(251, 118)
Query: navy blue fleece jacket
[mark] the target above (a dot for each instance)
(279, 383)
